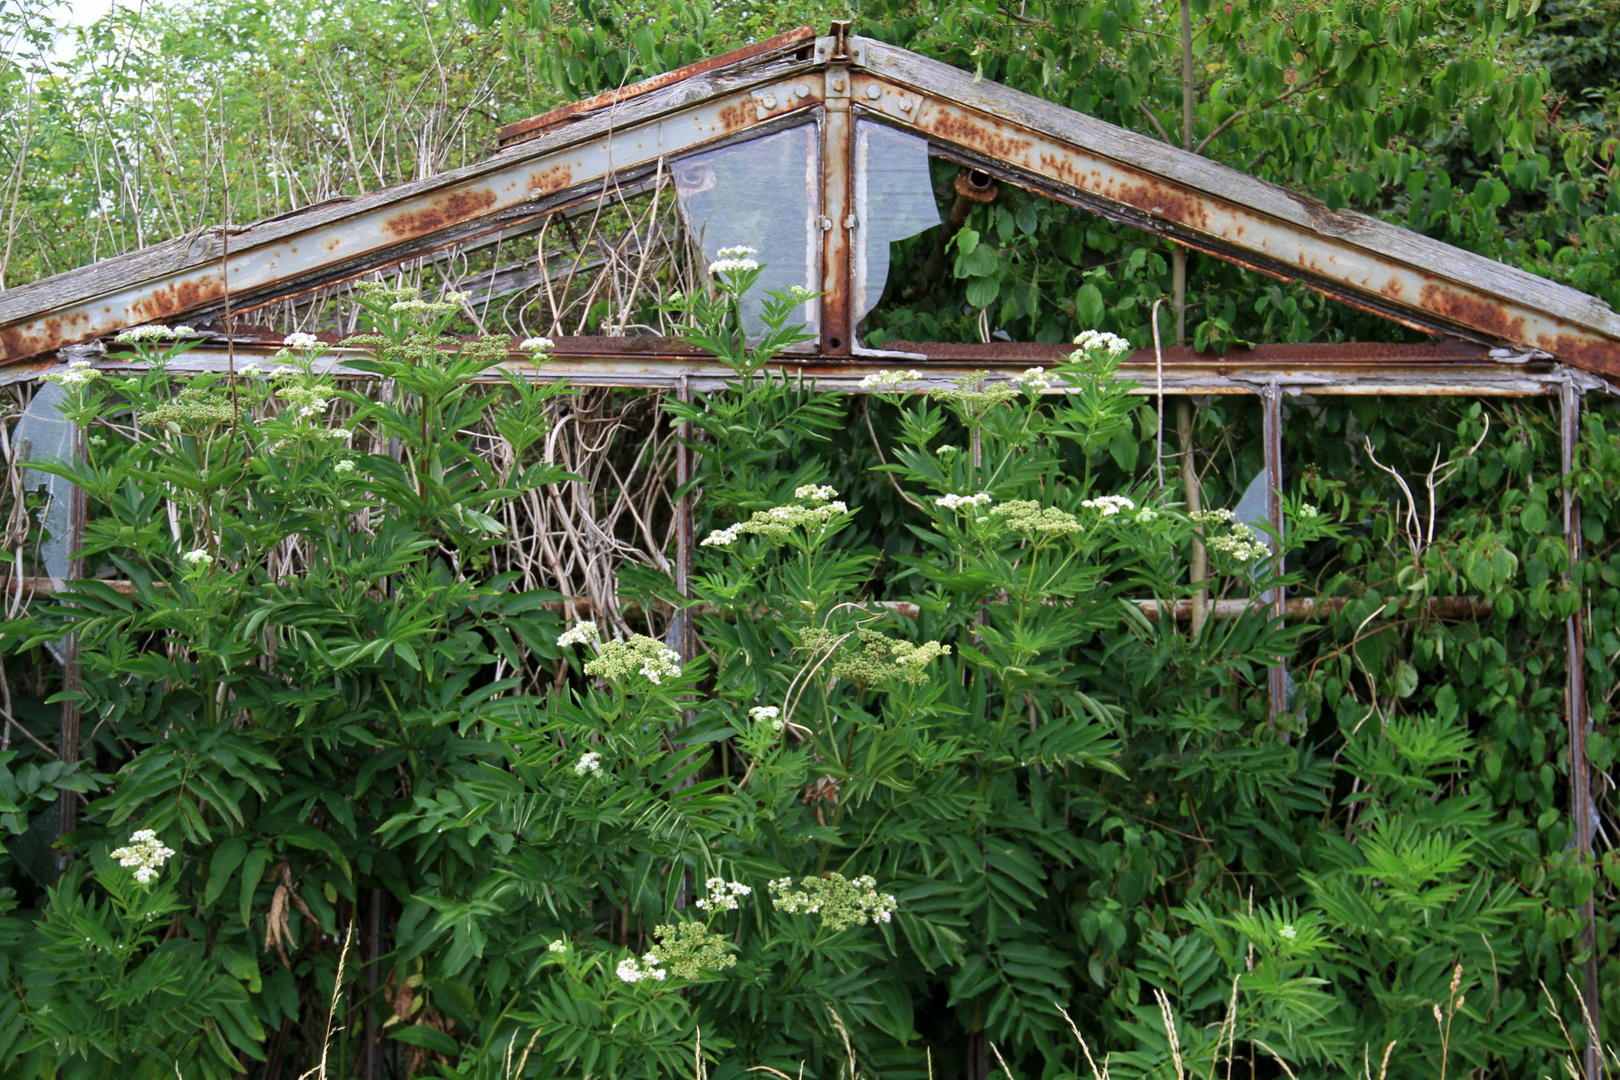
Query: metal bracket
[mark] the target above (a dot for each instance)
(840, 36)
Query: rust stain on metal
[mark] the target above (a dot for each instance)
(737, 115)
(984, 135)
(1472, 312)
(1392, 288)
(1164, 201)
(182, 295)
(447, 210)
(552, 180)
(1582, 352)
(536, 125)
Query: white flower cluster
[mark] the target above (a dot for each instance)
(1241, 544)
(767, 714)
(1212, 517)
(1035, 379)
(733, 260)
(646, 656)
(579, 633)
(1109, 505)
(345, 466)
(723, 894)
(300, 340)
(198, 558)
(451, 301)
(890, 380)
(558, 946)
(1287, 932)
(958, 502)
(1112, 344)
(666, 665)
(590, 763)
(840, 903)
(778, 521)
(1306, 510)
(78, 373)
(537, 344)
(151, 332)
(722, 537)
(630, 971)
(815, 492)
(146, 853)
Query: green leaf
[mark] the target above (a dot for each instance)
(430, 1038)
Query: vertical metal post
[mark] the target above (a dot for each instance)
(371, 1054)
(1271, 436)
(838, 222)
(685, 636)
(67, 804)
(1575, 707)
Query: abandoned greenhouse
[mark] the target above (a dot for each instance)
(1178, 771)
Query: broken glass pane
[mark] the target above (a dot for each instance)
(894, 199)
(763, 194)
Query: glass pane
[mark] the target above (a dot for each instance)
(763, 194)
(894, 199)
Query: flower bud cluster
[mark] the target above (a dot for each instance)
(1028, 516)
(841, 903)
(779, 522)
(78, 373)
(641, 654)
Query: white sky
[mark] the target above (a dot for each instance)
(77, 13)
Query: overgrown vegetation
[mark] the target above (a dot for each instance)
(922, 660)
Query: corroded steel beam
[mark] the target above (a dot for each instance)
(337, 241)
(661, 363)
(1126, 177)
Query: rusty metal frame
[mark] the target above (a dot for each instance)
(602, 144)
(657, 363)
(1579, 719)
(1137, 181)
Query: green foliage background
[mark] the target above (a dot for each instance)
(1411, 817)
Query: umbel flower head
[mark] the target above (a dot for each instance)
(1099, 340)
(579, 633)
(135, 335)
(778, 522)
(642, 655)
(879, 659)
(841, 903)
(723, 894)
(146, 853)
(733, 260)
(78, 373)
